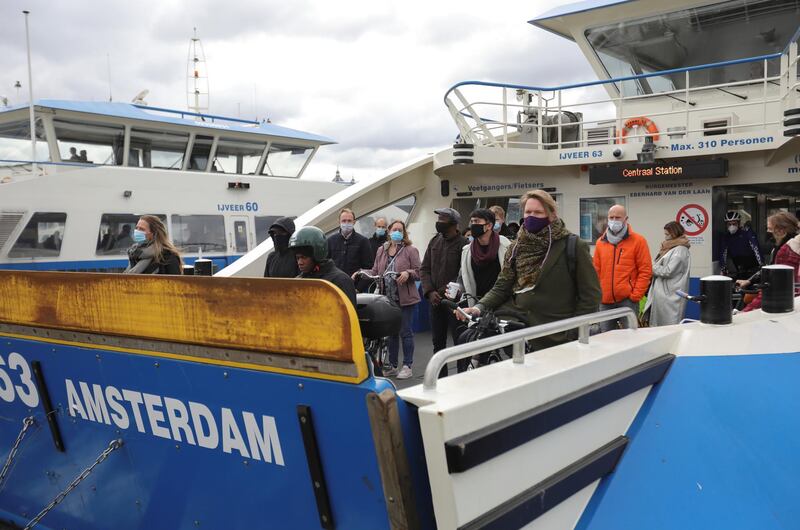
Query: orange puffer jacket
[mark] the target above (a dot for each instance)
(624, 269)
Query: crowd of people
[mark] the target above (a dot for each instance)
(535, 273)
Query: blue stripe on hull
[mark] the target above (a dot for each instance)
(105, 265)
(714, 446)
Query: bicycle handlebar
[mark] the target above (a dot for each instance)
(455, 307)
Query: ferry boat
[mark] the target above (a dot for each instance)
(217, 182)
(693, 115)
(238, 402)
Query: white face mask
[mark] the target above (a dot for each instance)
(733, 229)
(615, 226)
(346, 227)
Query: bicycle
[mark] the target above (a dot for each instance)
(486, 325)
(376, 336)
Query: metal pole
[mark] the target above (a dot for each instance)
(30, 96)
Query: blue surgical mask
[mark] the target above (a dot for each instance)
(497, 226)
(380, 232)
(471, 239)
(139, 236)
(396, 236)
(346, 227)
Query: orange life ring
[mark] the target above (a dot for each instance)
(641, 121)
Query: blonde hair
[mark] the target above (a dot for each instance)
(406, 240)
(785, 222)
(346, 210)
(498, 211)
(542, 196)
(161, 240)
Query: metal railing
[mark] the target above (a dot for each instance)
(540, 112)
(517, 340)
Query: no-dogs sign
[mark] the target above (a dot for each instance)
(693, 218)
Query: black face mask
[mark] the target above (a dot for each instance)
(281, 241)
(442, 227)
(477, 230)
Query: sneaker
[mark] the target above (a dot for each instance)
(404, 373)
(389, 371)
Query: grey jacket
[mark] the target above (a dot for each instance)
(670, 274)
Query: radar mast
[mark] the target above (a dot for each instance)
(197, 90)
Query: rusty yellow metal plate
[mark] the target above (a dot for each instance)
(306, 318)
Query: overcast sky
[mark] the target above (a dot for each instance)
(369, 74)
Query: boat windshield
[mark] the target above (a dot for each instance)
(690, 37)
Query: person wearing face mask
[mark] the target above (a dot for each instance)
(348, 249)
(499, 224)
(281, 262)
(670, 275)
(782, 227)
(380, 235)
(547, 272)
(481, 260)
(400, 256)
(440, 266)
(622, 261)
(740, 255)
(152, 251)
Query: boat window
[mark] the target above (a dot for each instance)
(236, 156)
(41, 237)
(90, 143)
(594, 216)
(15, 142)
(396, 211)
(285, 160)
(115, 235)
(157, 149)
(692, 37)
(192, 233)
(263, 222)
(200, 152)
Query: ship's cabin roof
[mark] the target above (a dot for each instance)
(624, 38)
(126, 134)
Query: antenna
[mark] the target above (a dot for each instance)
(108, 62)
(138, 99)
(198, 96)
(30, 96)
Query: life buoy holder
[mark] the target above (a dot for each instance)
(641, 121)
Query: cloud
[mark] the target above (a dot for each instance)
(369, 74)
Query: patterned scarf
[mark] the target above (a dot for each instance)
(529, 251)
(669, 244)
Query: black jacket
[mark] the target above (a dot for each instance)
(441, 263)
(375, 243)
(171, 263)
(351, 254)
(282, 264)
(328, 271)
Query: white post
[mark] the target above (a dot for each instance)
(30, 96)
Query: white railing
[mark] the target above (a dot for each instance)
(584, 114)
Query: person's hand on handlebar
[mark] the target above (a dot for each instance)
(473, 311)
(402, 278)
(741, 284)
(357, 274)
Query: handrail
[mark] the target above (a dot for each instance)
(199, 115)
(518, 339)
(617, 79)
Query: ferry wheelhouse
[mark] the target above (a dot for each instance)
(217, 182)
(694, 114)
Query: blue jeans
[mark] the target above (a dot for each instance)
(407, 334)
